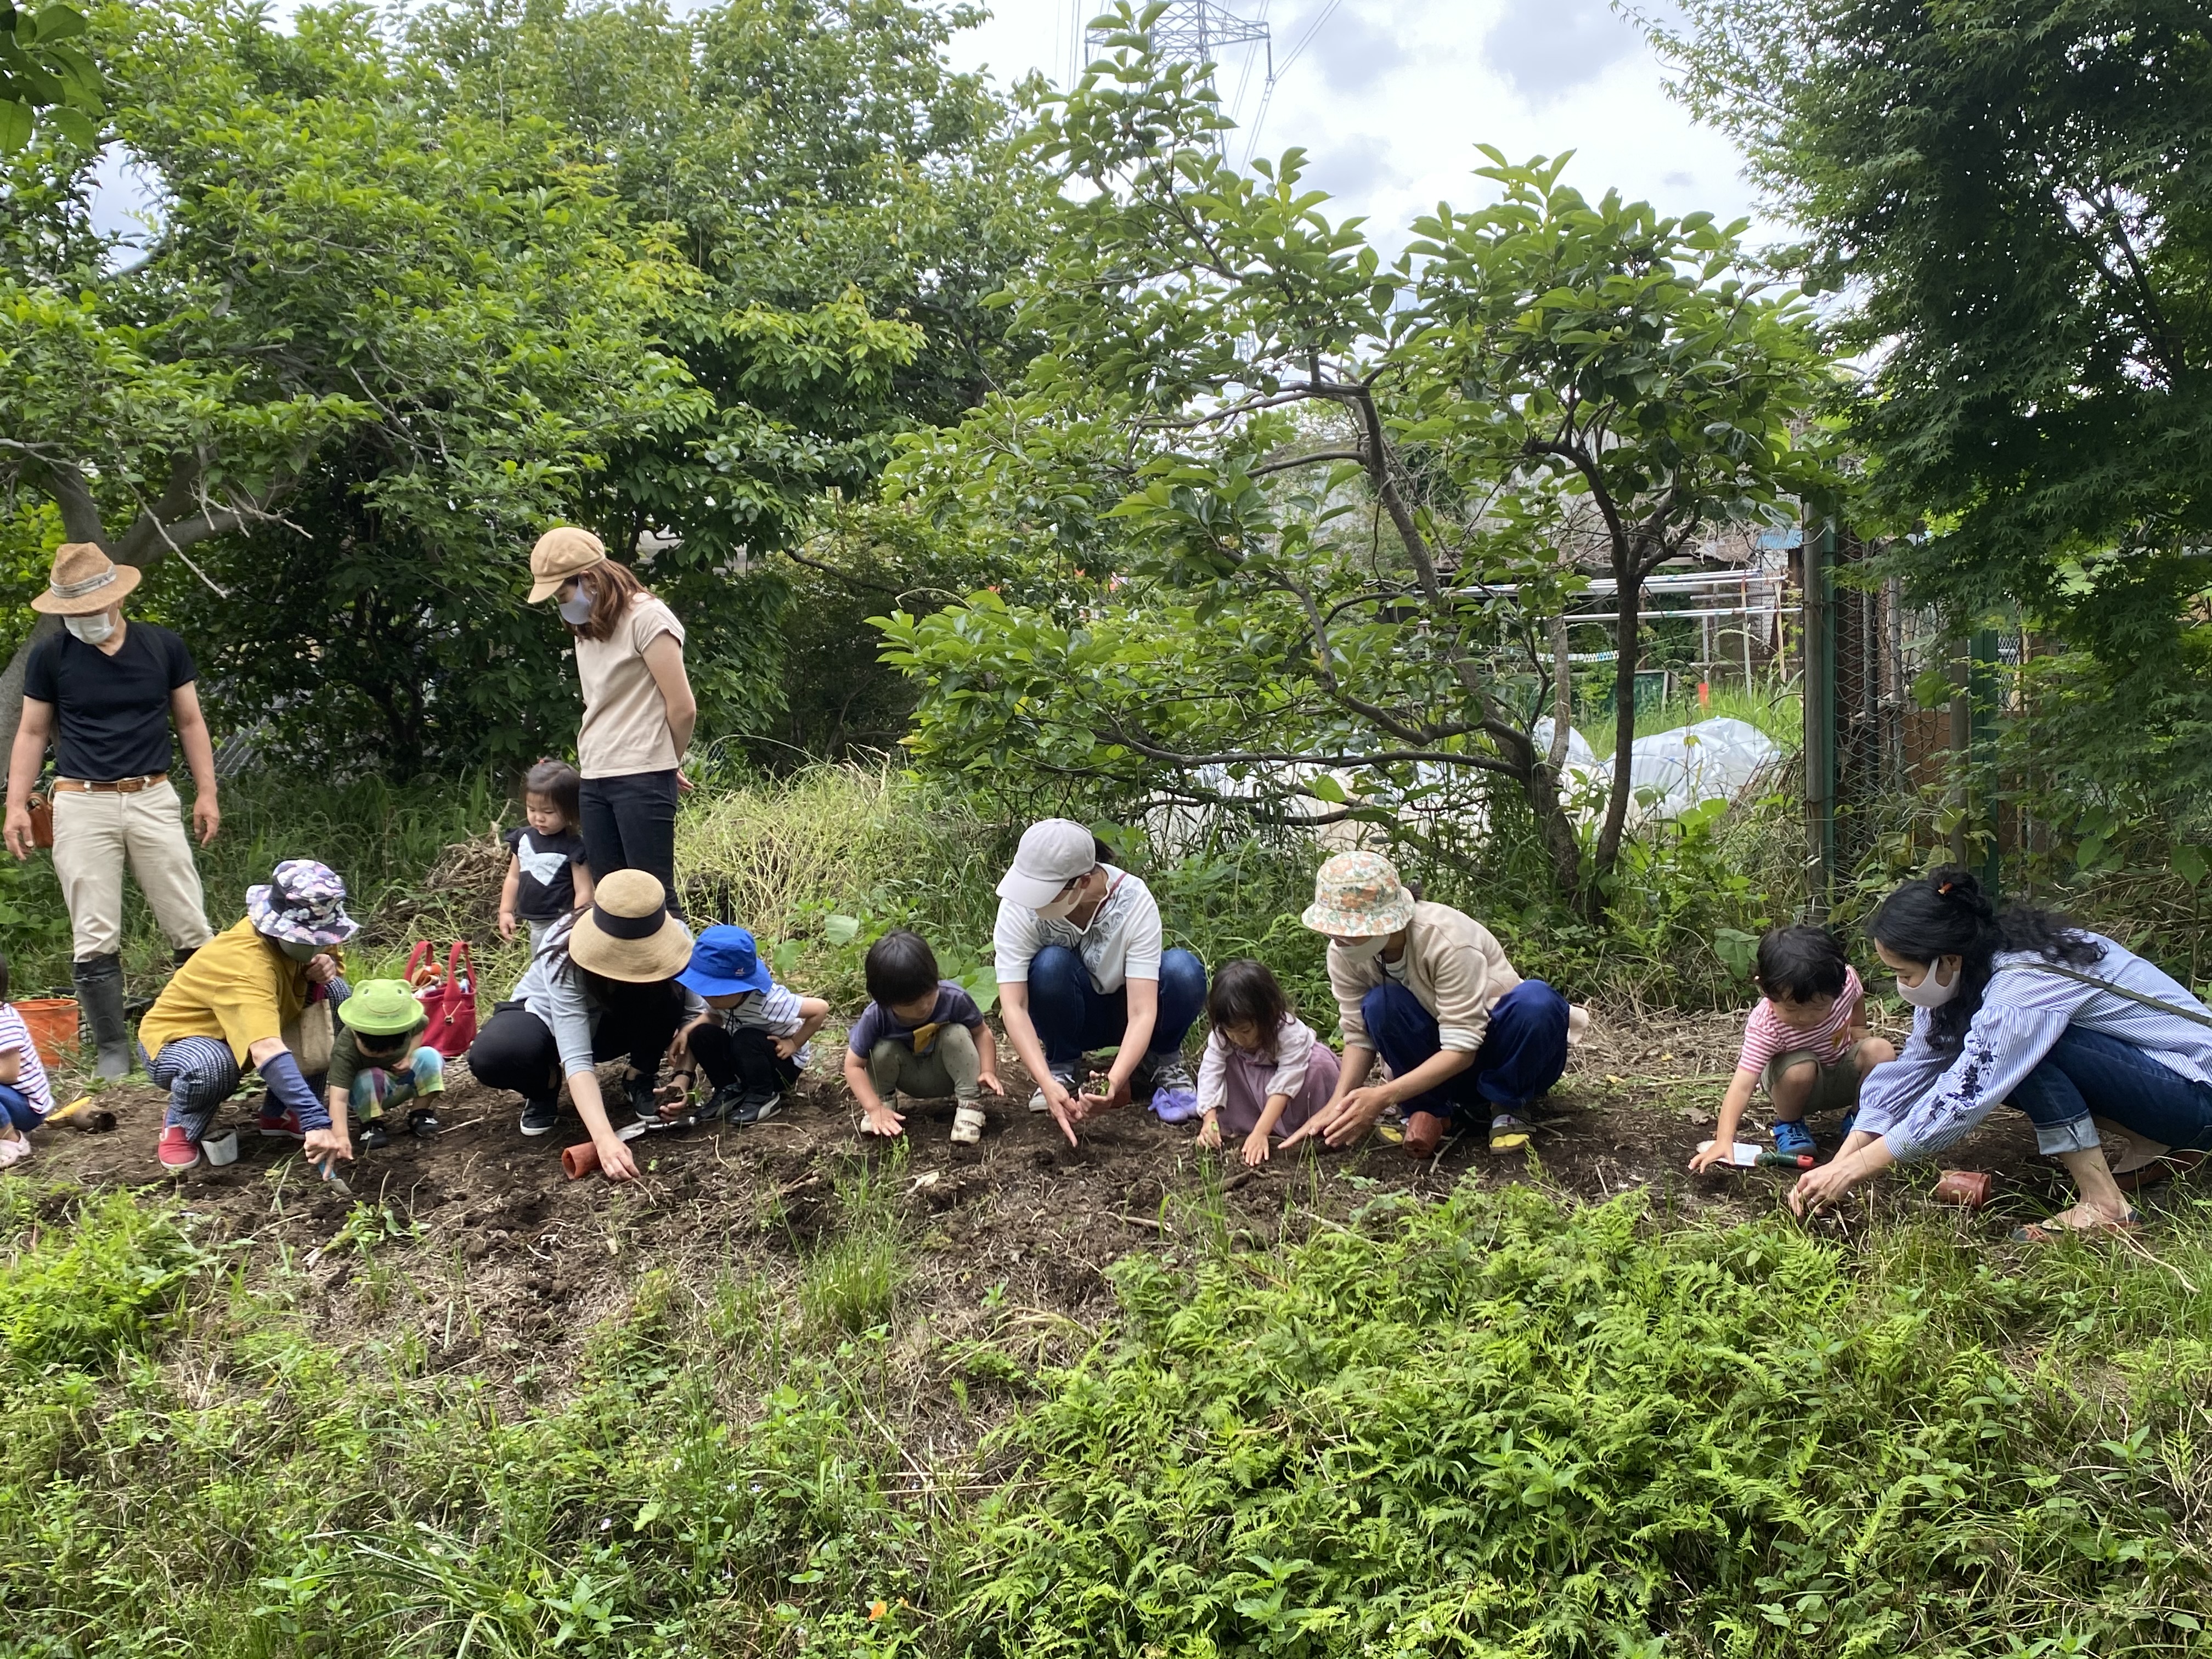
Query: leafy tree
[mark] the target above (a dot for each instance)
(44, 69)
(388, 344)
(412, 297)
(1286, 521)
(2015, 197)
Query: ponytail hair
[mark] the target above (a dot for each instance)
(1946, 913)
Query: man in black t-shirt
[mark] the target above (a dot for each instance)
(105, 691)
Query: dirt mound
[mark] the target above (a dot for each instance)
(1023, 1219)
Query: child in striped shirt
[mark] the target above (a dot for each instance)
(1806, 1043)
(26, 1098)
(752, 1043)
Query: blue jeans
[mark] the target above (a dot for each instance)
(2088, 1072)
(1072, 1017)
(1523, 1052)
(21, 1113)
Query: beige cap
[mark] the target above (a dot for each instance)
(85, 582)
(562, 552)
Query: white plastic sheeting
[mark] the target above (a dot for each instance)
(1669, 772)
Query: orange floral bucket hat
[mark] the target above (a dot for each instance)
(1359, 896)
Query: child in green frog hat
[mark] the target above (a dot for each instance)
(377, 1062)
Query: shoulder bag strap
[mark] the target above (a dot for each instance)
(2194, 1016)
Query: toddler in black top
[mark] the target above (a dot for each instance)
(547, 874)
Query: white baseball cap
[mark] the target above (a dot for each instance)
(1053, 852)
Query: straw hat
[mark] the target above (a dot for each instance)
(628, 934)
(1357, 896)
(562, 552)
(85, 582)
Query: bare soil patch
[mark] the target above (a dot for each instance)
(483, 1219)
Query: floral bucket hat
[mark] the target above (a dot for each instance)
(304, 903)
(1359, 896)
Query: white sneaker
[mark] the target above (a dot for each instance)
(967, 1124)
(1064, 1079)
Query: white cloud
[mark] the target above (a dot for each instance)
(1390, 98)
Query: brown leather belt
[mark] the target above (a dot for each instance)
(119, 786)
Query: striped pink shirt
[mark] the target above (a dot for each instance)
(1764, 1036)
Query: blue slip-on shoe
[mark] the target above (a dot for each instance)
(1795, 1138)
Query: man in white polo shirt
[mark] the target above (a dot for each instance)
(1080, 967)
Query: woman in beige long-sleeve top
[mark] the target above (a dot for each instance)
(1431, 992)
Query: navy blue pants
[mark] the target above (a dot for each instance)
(2088, 1072)
(1072, 1017)
(1524, 1053)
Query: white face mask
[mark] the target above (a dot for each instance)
(578, 610)
(91, 629)
(1931, 992)
(1362, 950)
(300, 949)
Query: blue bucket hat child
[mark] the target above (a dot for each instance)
(725, 963)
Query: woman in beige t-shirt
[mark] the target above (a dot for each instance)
(638, 707)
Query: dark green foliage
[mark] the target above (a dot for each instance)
(418, 293)
(1490, 1426)
(2015, 198)
(1497, 1426)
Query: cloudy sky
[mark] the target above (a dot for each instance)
(1389, 98)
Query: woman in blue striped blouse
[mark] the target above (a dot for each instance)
(2020, 1006)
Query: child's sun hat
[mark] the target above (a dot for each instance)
(726, 962)
(303, 902)
(381, 1007)
(628, 934)
(1357, 896)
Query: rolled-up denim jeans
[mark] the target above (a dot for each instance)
(2087, 1073)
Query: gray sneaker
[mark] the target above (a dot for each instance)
(755, 1108)
(1065, 1076)
(539, 1116)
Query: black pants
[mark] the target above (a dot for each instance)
(630, 823)
(515, 1050)
(743, 1056)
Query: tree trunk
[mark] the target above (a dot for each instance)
(1625, 630)
(11, 690)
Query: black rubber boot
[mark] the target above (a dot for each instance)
(184, 954)
(100, 995)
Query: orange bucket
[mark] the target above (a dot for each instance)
(52, 1021)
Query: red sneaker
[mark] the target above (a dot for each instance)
(177, 1153)
(282, 1126)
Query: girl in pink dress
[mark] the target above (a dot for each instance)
(1265, 1072)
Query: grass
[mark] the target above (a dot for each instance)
(1493, 1425)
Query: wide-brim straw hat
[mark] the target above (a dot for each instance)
(1357, 896)
(562, 552)
(628, 934)
(85, 581)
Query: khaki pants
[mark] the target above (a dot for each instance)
(95, 835)
(950, 1066)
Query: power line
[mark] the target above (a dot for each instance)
(1276, 73)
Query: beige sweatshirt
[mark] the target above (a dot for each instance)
(1453, 965)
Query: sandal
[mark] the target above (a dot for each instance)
(2055, 1230)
